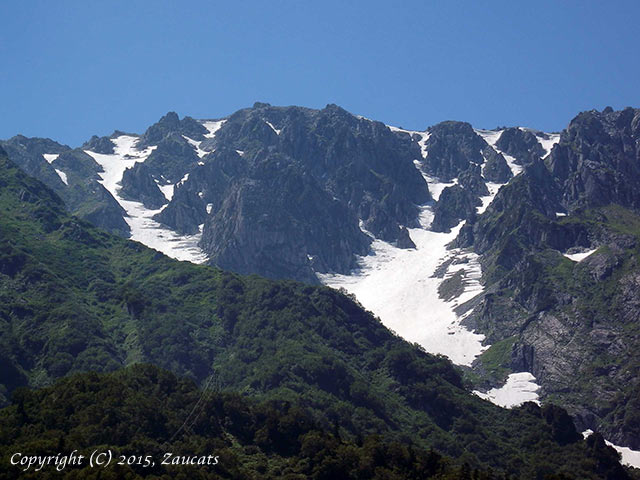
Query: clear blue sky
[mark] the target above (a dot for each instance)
(70, 69)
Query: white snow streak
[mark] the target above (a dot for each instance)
(424, 136)
(629, 457)
(140, 219)
(548, 144)
(62, 175)
(195, 144)
(182, 180)
(578, 257)
(519, 388)
(487, 199)
(273, 128)
(491, 137)
(50, 157)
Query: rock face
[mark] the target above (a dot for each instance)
(173, 157)
(286, 188)
(452, 146)
(496, 168)
(457, 153)
(97, 144)
(139, 185)
(598, 160)
(520, 144)
(574, 324)
(171, 124)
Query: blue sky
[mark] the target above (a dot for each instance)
(73, 69)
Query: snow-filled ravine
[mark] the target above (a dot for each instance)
(140, 219)
(399, 286)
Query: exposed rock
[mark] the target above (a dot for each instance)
(496, 168)
(597, 160)
(171, 124)
(520, 144)
(404, 239)
(97, 144)
(139, 185)
(355, 168)
(172, 159)
(459, 202)
(452, 146)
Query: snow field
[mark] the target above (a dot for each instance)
(519, 388)
(140, 219)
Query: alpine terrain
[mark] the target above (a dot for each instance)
(471, 270)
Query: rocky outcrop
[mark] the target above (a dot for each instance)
(172, 158)
(460, 201)
(496, 168)
(97, 144)
(597, 160)
(279, 222)
(574, 325)
(139, 185)
(171, 124)
(452, 146)
(353, 170)
(521, 144)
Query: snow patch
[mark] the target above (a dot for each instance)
(519, 388)
(548, 143)
(140, 219)
(167, 191)
(578, 257)
(492, 137)
(209, 208)
(240, 152)
(273, 128)
(182, 180)
(424, 136)
(399, 286)
(487, 199)
(435, 186)
(62, 175)
(629, 457)
(50, 157)
(213, 126)
(196, 145)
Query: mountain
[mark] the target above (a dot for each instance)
(73, 175)
(75, 298)
(511, 251)
(559, 248)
